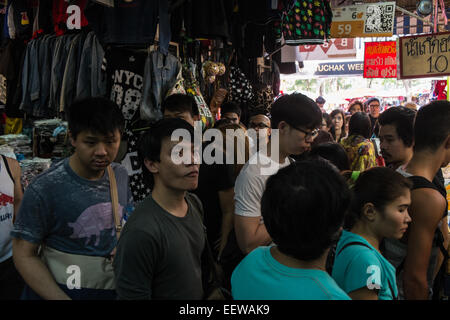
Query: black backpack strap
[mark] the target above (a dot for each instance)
(357, 243)
(5, 161)
(351, 244)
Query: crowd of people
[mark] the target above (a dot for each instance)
(312, 208)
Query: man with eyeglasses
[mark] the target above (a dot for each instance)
(296, 119)
(374, 113)
(260, 122)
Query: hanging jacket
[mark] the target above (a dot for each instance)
(160, 75)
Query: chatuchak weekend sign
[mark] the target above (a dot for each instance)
(380, 59)
(340, 69)
(424, 56)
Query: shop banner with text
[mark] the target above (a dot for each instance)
(425, 56)
(380, 59)
(340, 69)
(364, 20)
(333, 49)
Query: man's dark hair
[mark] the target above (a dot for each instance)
(179, 102)
(369, 101)
(150, 143)
(95, 114)
(432, 126)
(332, 152)
(230, 107)
(403, 120)
(359, 125)
(297, 110)
(320, 100)
(301, 224)
(380, 186)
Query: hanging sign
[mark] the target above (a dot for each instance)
(425, 56)
(340, 69)
(364, 20)
(333, 49)
(380, 59)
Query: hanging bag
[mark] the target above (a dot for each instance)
(96, 272)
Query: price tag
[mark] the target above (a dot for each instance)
(346, 29)
(364, 20)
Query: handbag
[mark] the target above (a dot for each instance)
(95, 272)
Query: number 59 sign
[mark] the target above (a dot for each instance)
(425, 56)
(363, 20)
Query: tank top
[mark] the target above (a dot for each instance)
(395, 252)
(6, 211)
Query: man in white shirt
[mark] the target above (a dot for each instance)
(295, 122)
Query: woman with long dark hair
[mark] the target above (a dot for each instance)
(338, 127)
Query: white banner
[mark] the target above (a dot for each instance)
(334, 49)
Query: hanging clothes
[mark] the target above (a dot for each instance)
(307, 22)
(160, 75)
(125, 74)
(11, 60)
(91, 77)
(131, 22)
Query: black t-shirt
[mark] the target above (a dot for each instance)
(159, 255)
(11, 61)
(212, 179)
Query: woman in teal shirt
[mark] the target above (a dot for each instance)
(379, 210)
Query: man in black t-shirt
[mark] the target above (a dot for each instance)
(159, 252)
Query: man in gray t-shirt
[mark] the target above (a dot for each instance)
(160, 249)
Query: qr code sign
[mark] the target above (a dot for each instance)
(380, 18)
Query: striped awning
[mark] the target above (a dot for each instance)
(405, 24)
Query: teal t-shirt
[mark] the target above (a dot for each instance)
(260, 277)
(358, 266)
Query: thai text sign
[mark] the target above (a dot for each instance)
(364, 20)
(380, 59)
(425, 56)
(340, 69)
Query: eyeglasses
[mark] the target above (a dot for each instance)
(259, 125)
(374, 105)
(310, 134)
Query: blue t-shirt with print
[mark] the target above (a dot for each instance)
(358, 266)
(72, 214)
(260, 277)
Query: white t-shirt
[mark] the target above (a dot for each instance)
(251, 182)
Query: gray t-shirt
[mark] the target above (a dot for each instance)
(159, 255)
(70, 213)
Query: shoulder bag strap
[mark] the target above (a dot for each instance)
(365, 245)
(114, 201)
